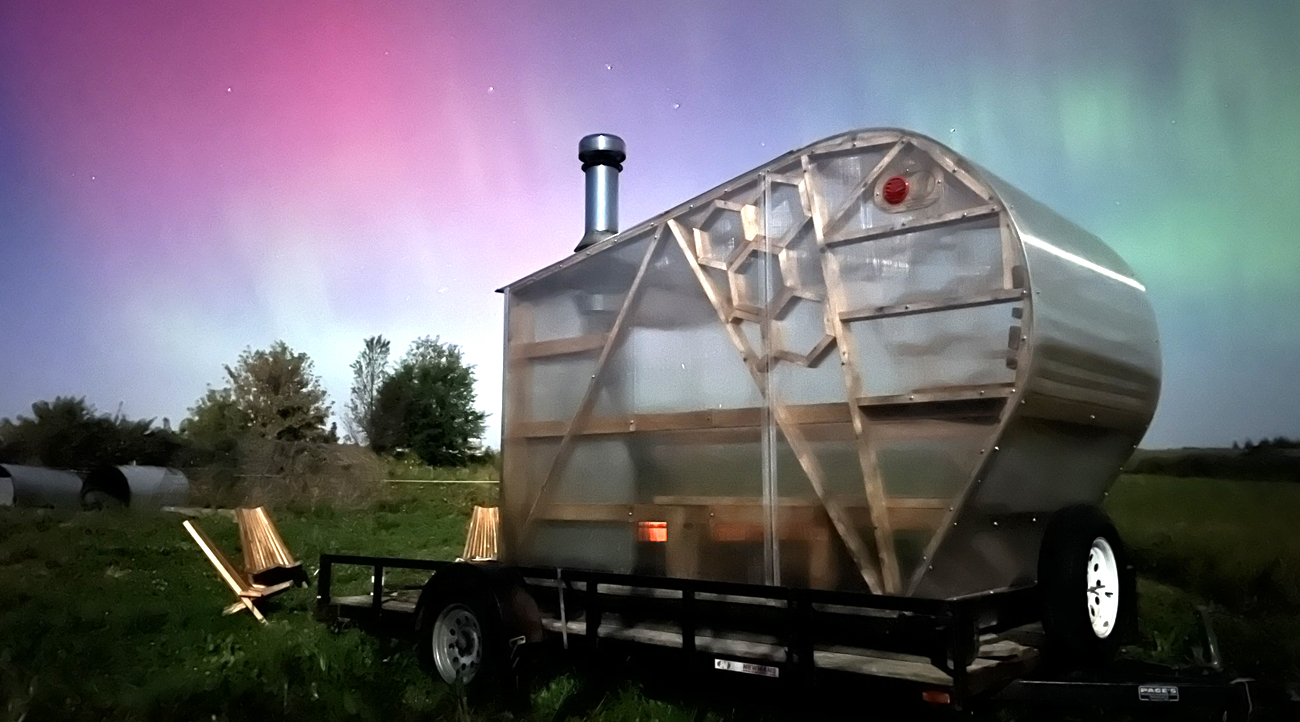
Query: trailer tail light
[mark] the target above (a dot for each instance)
(936, 696)
(652, 531)
(895, 190)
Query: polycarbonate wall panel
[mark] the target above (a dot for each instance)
(581, 299)
(932, 191)
(836, 176)
(942, 263)
(557, 384)
(1041, 466)
(810, 551)
(671, 370)
(700, 468)
(926, 351)
(929, 458)
(599, 471)
(1096, 344)
(821, 384)
(600, 545)
(525, 461)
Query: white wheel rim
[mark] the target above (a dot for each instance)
(1103, 588)
(457, 644)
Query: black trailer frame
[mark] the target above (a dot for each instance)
(953, 651)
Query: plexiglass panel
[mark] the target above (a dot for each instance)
(930, 351)
(674, 430)
(928, 191)
(952, 262)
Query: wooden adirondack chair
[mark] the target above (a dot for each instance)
(481, 539)
(248, 591)
(267, 560)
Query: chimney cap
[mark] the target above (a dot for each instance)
(600, 148)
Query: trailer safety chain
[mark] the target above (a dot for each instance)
(1245, 686)
(564, 619)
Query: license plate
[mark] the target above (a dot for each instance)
(746, 668)
(1158, 693)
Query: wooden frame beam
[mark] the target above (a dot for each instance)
(910, 514)
(790, 429)
(933, 305)
(580, 417)
(750, 417)
(948, 219)
(559, 346)
(942, 394)
(853, 384)
(855, 195)
(1013, 265)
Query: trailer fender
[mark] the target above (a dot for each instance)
(520, 617)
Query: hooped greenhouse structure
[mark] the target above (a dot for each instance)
(866, 365)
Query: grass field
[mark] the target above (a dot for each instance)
(117, 616)
(1231, 545)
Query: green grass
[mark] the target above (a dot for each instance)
(1232, 546)
(117, 616)
(410, 467)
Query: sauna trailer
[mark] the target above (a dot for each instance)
(853, 411)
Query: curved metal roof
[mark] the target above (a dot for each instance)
(135, 486)
(34, 486)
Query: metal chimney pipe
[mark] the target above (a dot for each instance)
(602, 157)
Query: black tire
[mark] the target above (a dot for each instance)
(1069, 604)
(440, 603)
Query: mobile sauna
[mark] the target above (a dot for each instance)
(851, 412)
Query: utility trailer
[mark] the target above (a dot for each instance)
(851, 412)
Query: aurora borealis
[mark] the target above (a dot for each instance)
(180, 181)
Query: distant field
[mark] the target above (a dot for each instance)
(1234, 545)
(115, 616)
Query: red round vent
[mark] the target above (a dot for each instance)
(895, 190)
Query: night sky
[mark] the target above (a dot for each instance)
(179, 181)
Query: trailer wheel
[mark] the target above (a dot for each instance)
(459, 633)
(1089, 591)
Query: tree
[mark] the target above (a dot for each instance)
(369, 372)
(69, 433)
(272, 394)
(215, 421)
(427, 405)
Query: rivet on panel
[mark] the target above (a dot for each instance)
(996, 448)
(995, 523)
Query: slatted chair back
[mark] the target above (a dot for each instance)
(481, 539)
(264, 548)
